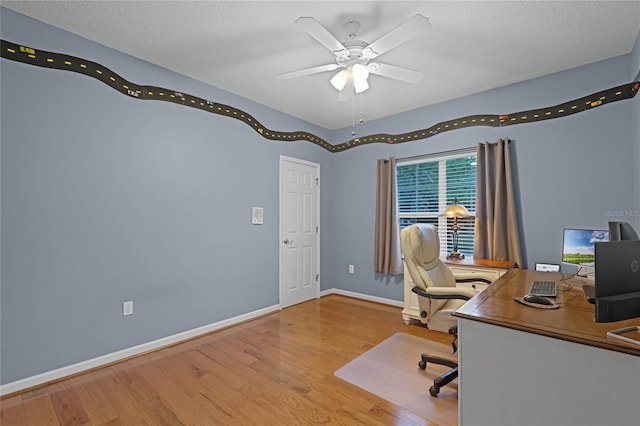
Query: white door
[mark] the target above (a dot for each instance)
(299, 231)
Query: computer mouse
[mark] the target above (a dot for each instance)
(537, 299)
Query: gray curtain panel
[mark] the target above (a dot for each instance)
(496, 235)
(388, 258)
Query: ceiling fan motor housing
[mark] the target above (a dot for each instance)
(354, 55)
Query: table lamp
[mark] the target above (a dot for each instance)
(456, 211)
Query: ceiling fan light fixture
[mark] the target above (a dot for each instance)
(360, 76)
(340, 79)
(360, 86)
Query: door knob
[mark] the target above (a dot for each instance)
(288, 241)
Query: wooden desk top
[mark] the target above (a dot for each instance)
(485, 263)
(573, 321)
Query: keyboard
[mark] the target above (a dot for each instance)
(544, 288)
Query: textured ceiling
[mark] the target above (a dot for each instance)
(241, 46)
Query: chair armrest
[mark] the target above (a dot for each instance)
(445, 293)
(475, 277)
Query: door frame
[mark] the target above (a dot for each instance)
(284, 158)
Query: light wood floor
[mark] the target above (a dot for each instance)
(275, 370)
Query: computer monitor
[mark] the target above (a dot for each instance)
(578, 248)
(617, 284)
(622, 231)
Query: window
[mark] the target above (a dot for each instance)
(428, 185)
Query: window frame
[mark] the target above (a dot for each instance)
(443, 224)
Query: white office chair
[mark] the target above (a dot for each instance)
(438, 294)
(434, 283)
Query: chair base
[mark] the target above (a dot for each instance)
(445, 378)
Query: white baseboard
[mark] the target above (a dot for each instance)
(363, 297)
(103, 360)
(80, 367)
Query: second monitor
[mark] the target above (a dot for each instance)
(622, 231)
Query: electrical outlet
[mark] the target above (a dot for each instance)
(352, 269)
(127, 308)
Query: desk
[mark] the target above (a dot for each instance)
(526, 366)
(468, 265)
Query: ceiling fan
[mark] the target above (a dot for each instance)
(354, 57)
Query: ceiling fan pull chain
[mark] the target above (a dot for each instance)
(353, 115)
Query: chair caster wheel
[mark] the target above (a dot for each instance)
(433, 391)
(422, 365)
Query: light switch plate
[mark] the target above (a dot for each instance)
(257, 215)
(127, 308)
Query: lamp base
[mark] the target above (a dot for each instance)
(455, 256)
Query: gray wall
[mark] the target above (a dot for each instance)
(106, 198)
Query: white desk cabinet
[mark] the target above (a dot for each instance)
(530, 367)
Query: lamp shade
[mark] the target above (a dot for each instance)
(357, 73)
(340, 79)
(360, 74)
(456, 210)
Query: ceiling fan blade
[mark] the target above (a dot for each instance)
(320, 33)
(308, 71)
(396, 73)
(346, 94)
(412, 27)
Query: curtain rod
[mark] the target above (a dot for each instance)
(444, 153)
(439, 154)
